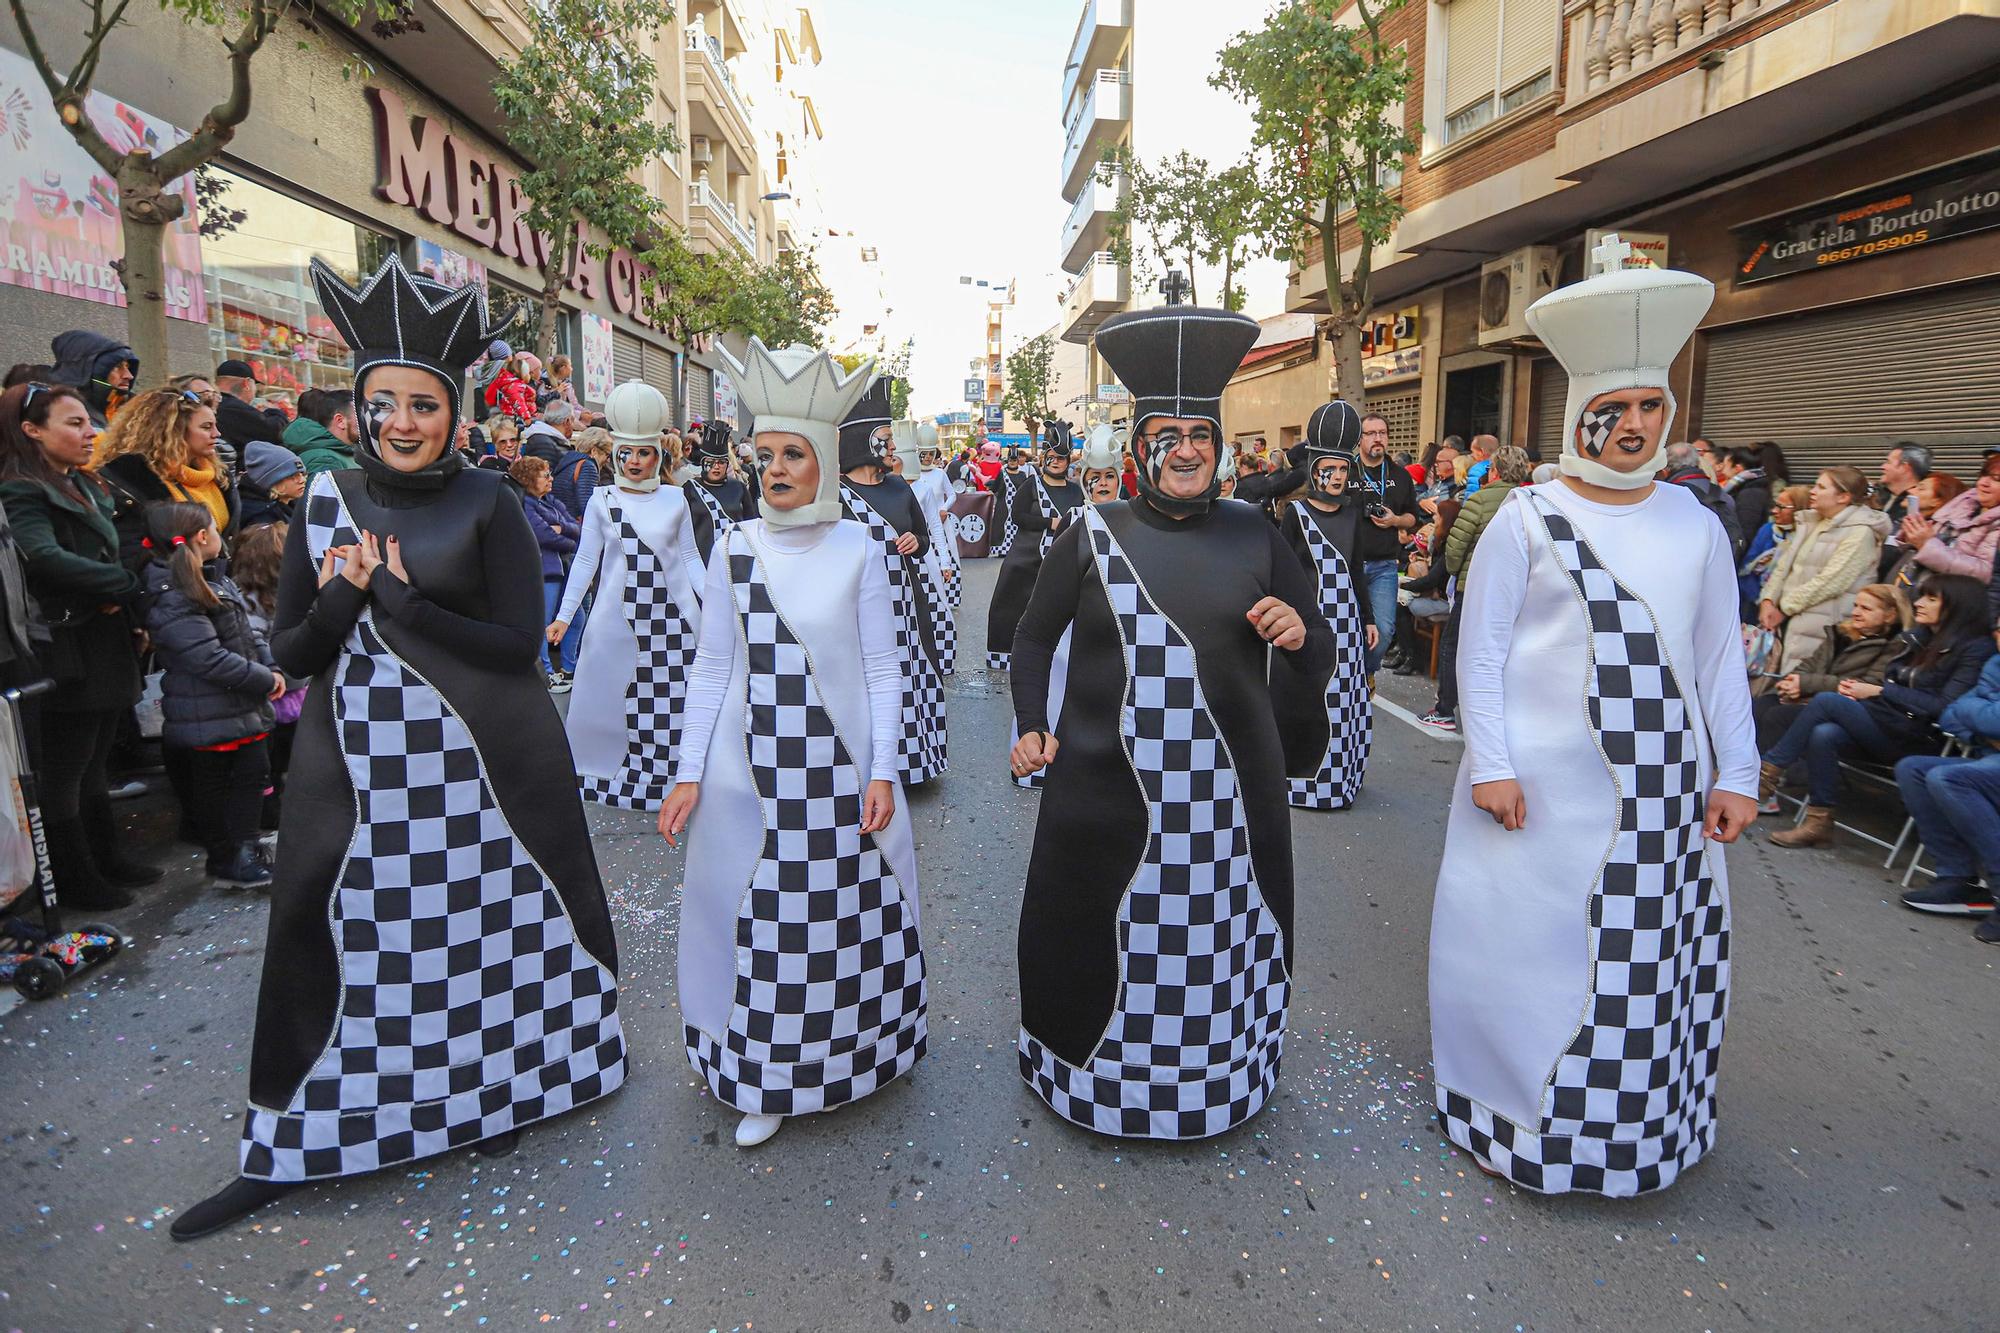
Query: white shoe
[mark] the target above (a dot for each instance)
(756, 1129)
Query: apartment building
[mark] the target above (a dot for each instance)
(1830, 164)
(361, 146)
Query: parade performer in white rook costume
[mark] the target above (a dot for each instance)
(802, 980)
(1580, 936)
(631, 671)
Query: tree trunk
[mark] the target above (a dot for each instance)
(145, 209)
(1350, 309)
(1344, 330)
(553, 278)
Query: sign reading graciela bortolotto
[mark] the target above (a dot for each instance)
(1950, 201)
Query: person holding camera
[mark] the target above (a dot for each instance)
(1391, 514)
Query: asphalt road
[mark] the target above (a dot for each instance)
(1852, 1186)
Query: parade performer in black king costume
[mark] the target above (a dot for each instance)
(1157, 917)
(1580, 938)
(439, 970)
(638, 550)
(715, 494)
(801, 972)
(1001, 487)
(1323, 529)
(1039, 501)
(883, 502)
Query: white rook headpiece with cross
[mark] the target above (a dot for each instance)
(1610, 254)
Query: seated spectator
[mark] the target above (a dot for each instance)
(1963, 535)
(1860, 648)
(1741, 474)
(1882, 723)
(504, 434)
(1936, 491)
(1762, 553)
(1955, 800)
(273, 479)
(1830, 557)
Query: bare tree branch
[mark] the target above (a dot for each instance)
(218, 127)
(100, 31)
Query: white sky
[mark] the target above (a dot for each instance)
(944, 143)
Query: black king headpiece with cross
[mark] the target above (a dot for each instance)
(1176, 360)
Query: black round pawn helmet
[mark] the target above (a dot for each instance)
(1334, 432)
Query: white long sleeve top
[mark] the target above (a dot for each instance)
(661, 520)
(1668, 551)
(720, 643)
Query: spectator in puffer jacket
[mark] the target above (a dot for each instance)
(1962, 537)
(100, 368)
(556, 530)
(216, 700)
(1955, 800)
(1861, 648)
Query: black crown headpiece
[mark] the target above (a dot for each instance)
(403, 318)
(714, 441)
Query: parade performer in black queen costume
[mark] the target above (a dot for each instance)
(439, 970)
(1323, 529)
(1155, 928)
(884, 503)
(715, 494)
(638, 551)
(801, 972)
(1580, 934)
(1039, 501)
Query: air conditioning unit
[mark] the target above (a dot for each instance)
(699, 150)
(1509, 285)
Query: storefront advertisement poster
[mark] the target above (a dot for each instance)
(725, 397)
(60, 210)
(1955, 200)
(448, 266)
(598, 373)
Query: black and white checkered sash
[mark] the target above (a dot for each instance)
(718, 518)
(1194, 1043)
(1350, 712)
(948, 552)
(1641, 1071)
(468, 1007)
(1009, 529)
(922, 749)
(831, 999)
(656, 697)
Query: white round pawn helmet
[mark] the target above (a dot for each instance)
(637, 415)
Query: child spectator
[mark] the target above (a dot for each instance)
(512, 391)
(259, 555)
(219, 688)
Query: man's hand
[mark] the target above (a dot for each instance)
(1769, 616)
(674, 811)
(1504, 801)
(1374, 636)
(1728, 815)
(878, 805)
(1277, 624)
(1385, 520)
(1033, 753)
(556, 630)
(906, 544)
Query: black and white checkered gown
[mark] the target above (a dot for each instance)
(1350, 712)
(948, 559)
(944, 625)
(1009, 529)
(921, 752)
(831, 1000)
(1195, 1040)
(468, 1007)
(719, 520)
(656, 700)
(1631, 1103)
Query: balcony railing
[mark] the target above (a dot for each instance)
(700, 42)
(1097, 197)
(745, 235)
(1101, 290)
(1100, 18)
(1110, 100)
(1620, 38)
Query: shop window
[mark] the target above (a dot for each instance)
(260, 297)
(1497, 56)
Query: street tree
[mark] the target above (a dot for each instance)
(1157, 222)
(694, 296)
(1231, 227)
(1030, 368)
(151, 195)
(578, 105)
(1325, 91)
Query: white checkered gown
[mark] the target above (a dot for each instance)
(1631, 1103)
(656, 700)
(921, 749)
(1195, 1040)
(1349, 710)
(831, 1000)
(468, 1008)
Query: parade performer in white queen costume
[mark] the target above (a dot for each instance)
(1155, 926)
(1580, 938)
(639, 550)
(802, 979)
(439, 967)
(1323, 529)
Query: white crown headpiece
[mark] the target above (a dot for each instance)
(805, 392)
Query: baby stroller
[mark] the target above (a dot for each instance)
(39, 957)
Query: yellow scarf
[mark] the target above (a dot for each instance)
(199, 484)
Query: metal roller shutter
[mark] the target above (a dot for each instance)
(1403, 409)
(1551, 395)
(1843, 385)
(624, 356)
(658, 371)
(701, 392)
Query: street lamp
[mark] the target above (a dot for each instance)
(777, 196)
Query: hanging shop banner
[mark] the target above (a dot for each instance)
(725, 397)
(598, 373)
(60, 210)
(1951, 201)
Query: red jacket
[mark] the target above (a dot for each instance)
(513, 395)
